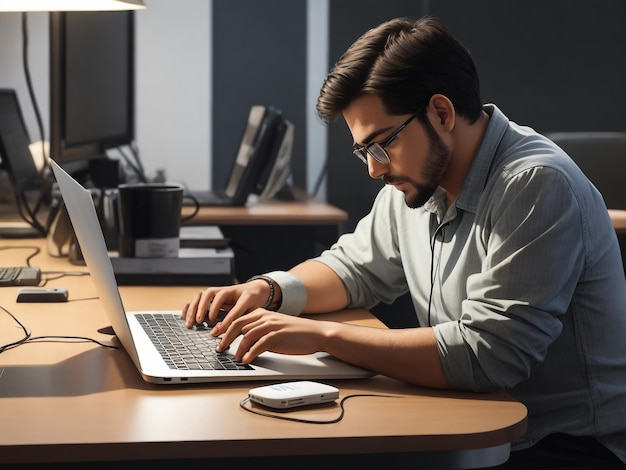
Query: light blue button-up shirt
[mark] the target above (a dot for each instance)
(523, 279)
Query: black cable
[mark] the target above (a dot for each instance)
(29, 83)
(42, 339)
(137, 169)
(37, 339)
(14, 344)
(36, 251)
(135, 152)
(49, 275)
(21, 198)
(21, 204)
(59, 275)
(67, 273)
(433, 271)
(84, 298)
(243, 403)
(55, 274)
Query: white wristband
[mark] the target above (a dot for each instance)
(292, 291)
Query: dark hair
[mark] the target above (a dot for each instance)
(404, 62)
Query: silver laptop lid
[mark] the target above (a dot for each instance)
(86, 226)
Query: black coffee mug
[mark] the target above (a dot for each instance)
(149, 217)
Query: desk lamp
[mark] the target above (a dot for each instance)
(70, 5)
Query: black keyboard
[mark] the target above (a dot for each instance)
(183, 348)
(9, 275)
(19, 276)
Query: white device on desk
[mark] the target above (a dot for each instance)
(292, 394)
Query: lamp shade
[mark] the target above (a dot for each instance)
(71, 5)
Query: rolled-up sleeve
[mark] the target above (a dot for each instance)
(369, 260)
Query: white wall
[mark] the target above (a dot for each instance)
(11, 65)
(173, 89)
(172, 84)
(317, 68)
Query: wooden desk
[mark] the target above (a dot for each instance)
(308, 212)
(79, 402)
(275, 234)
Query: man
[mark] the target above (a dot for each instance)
(507, 250)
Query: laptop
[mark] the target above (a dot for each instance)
(133, 328)
(251, 159)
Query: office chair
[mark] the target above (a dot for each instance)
(602, 157)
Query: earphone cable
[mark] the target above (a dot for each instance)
(433, 270)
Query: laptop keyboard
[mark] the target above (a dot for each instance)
(183, 348)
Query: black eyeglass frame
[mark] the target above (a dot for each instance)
(381, 146)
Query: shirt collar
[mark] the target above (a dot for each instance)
(476, 178)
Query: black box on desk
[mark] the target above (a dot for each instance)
(193, 266)
(202, 236)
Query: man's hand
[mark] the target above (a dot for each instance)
(263, 330)
(237, 300)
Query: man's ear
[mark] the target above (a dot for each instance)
(445, 112)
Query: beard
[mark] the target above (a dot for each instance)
(435, 166)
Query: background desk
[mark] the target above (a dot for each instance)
(275, 234)
(72, 402)
(264, 236)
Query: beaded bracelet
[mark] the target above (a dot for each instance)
(270, 281)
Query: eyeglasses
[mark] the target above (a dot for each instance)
(378, 150)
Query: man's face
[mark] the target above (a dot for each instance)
(417, 159)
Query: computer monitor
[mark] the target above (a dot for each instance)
(17, 160)
(91, 85)
(15, 156)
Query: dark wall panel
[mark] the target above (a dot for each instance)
(552, 65)
(259, 58)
